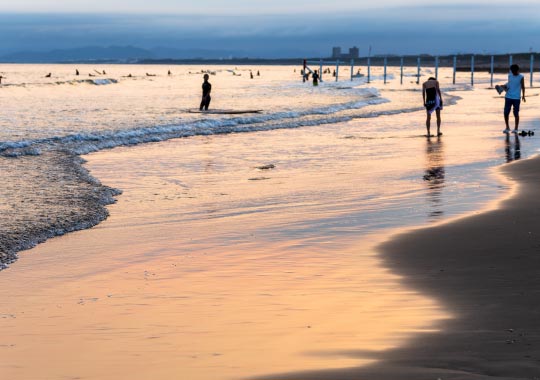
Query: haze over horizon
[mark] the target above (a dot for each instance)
(272, 29)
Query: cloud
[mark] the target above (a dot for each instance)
(409, 30)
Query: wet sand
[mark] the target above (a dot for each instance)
(485, 269)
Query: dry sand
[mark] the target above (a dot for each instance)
(485, 269)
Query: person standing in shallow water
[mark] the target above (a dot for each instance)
(515, 91)
(206, 89)
(315, 78)
(431, 93)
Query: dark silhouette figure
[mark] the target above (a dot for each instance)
(315, 78)
(258, 73)
(431, 94)
(169, 73)
(77, 72)
(48, 75)
(104, 73)
(1, 77)
(150, 75)
(206, 89)
(251, 74)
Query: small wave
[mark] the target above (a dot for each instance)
(73, 82)
(84, 143)
(96, 82)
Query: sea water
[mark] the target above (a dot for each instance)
(48, 121)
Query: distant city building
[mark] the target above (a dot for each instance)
(354, 53)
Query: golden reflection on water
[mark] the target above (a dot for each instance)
(434, 175)
(210, 268)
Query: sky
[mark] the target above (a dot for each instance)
(273, 28)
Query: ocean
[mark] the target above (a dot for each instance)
(238, 245)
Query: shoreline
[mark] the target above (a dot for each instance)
(70, 158)
(80, 197)
(484, 269)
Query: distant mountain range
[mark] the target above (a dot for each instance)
(114, 54)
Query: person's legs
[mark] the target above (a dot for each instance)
(207, 103)
(203, 102)
(428, 122)
(507, 106)
(517, 103)
(438, 113)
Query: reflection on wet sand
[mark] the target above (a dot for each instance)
(512, 149)
(434, 176)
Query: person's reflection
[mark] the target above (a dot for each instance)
(512, 150)
(434, 176)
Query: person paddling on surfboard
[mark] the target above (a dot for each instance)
(431, 93)
(206, 89)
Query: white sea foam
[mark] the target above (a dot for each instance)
(81, 143)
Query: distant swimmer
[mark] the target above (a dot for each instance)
(206, 89)
(77, 72)
(48, 75)
(104, 73)
(431, 93)
(251, 74)
(150, 75)
(258, 73)
(1, 77)
(515, 92)
(315, 78)
(130, 76)
(169, 73)
(91, 75)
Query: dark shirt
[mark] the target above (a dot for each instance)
(206, 88)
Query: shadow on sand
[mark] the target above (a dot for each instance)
(485, 269)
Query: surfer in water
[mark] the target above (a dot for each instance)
(431, 93)
(206, 89)
(315, 78)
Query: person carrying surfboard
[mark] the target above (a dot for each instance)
(206, 89)
(514, 90)
(431, 93)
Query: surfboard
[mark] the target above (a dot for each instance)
(223, 112)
